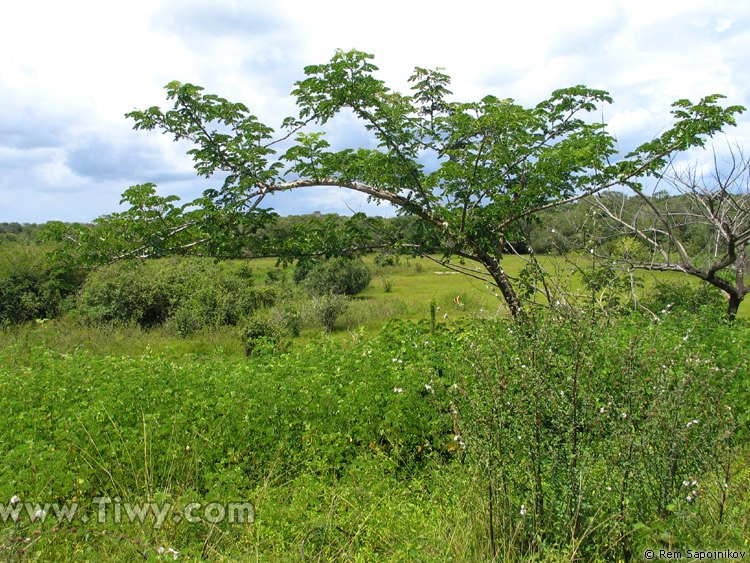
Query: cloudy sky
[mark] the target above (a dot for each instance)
(69, 72)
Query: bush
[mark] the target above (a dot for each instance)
(586, 428)
(685, 297)
(187, 294)
(326, 309)
(31, 288)
(340, 276)
(386, 259)
(258, 333)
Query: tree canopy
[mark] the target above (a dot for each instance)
(472, 170)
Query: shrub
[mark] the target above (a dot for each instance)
(586, 428)
(685, 297)
(341, 276)
(259, 332)
(288, 319)
(31, 288)
(326, 309)
(188, 293)
(386, 259)
(387, 283)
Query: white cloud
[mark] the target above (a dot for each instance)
(70, 71)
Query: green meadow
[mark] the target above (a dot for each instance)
(427, 426)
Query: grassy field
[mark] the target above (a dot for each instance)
(386, 440)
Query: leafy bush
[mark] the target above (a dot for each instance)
(341, 276)
(326, 309)
(259, 332)
(187, 294)
(685, 297)
(30, 287)
(586, 428)
(288, 318)
(387, 259)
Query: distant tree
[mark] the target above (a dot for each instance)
(699, 225)
(492, 163)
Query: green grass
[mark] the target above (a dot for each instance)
(336, 461)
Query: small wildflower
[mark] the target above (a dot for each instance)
(429, 388)
(445, 316)
(14, 500)
(39, 515)
(686, 483)
(601, 410)
(689, 498)
(624, 415)
(398, 390)
(523, 510)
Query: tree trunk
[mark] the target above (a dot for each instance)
(734, 304)
(504, 284)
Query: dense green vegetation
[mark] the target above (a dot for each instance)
(578, 436)
(416, 422)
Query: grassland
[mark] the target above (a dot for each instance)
(370, 443)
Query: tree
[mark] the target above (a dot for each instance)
(699, 225)
(472, 170)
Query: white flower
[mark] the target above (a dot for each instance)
(398, 390)
(601, 409)
(14, 500)
(429, 387)
(609, 488)
(159, 550)
(624, 415)
(39, 515)
(457, 438)
(689, 498)
(686, 483)
(523, 510)
(174, 553)
(592, 251)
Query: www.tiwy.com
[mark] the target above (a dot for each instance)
(105, 509)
